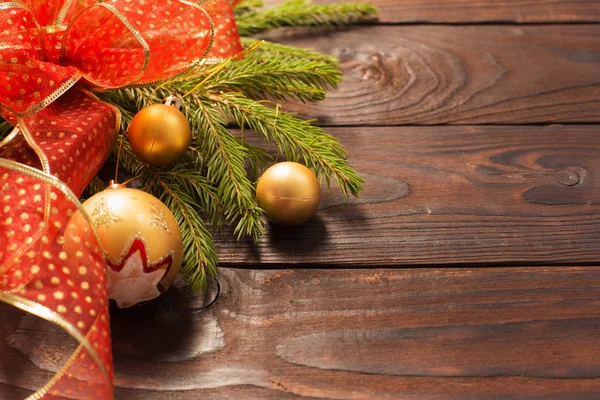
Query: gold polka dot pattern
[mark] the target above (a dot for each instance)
(111, 44)
(61, 270)
(75, 133)
(226, 43)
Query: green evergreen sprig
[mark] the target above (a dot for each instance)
(268, 49)
(5, 129)
(179, 192)
(211, 185)
(276, 75)
(296, 139)
(299, 13)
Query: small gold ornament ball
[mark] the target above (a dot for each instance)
(159, 134)
(141, 241)
(289, 193)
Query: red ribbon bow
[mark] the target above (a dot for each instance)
(53, 54)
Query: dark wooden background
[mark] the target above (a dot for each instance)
(468, 269)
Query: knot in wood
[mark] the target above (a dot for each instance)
(567, 177)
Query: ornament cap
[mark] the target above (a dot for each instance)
(114, 185)
(174, 101)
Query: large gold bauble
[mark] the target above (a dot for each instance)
(289, 193)
(141, 241)
(159, 134)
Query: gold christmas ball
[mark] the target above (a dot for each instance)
(159, 134)
(140, 239)
(289, 193)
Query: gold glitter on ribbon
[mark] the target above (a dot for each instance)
(21, 294)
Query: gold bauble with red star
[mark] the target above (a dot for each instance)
(141, 242)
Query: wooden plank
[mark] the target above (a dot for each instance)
(458, 74)
(510, 333)
(450, 195)
(10, 392)
(460, 11)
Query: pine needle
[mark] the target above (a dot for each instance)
(200, 258)
(298, 139)
(5, 128)
(299, 13)
(269, 49)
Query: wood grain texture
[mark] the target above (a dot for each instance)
(9, 392)
(496, 333)
(458, 75)
(475, 11)
(450, 195)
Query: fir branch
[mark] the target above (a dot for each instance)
(246, 6)
(96, 185)
(5, 128)
(304, 13)
(294, 137)
(200, 257)
(258, 158)
(225, 166)
(268, 49)
(194, 183)
(278, 76)
(127, 159)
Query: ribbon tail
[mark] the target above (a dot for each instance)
(51, 263)
(53, 269)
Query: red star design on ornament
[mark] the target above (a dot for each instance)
(132, 279)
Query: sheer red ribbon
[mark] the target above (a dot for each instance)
(53, 55)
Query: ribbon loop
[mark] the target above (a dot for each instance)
(26, 79)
